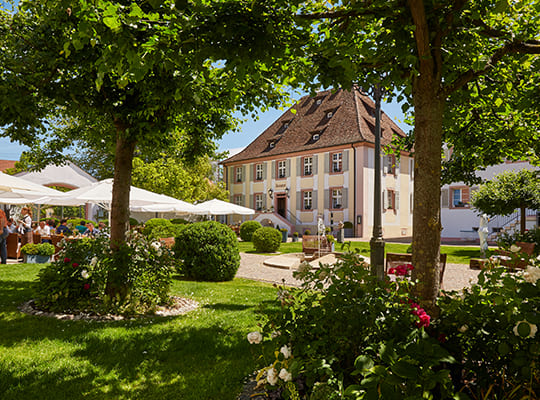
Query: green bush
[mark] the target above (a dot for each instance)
(157, 228)
(344, 334)
(133, 222)
(266, 240)
(29, 248)
(78, 278)
(247, 229)
(490, 328)
(209, 251)
(179, 221)
(307, 232)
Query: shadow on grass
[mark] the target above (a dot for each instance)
(228, 307)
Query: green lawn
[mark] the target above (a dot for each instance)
(456, 254)
(201, 355)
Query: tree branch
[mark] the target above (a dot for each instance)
(527, 47)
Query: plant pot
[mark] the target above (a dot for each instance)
(284, 235)
(35, 259)
(295, 238)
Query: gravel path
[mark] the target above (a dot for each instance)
(456, 276)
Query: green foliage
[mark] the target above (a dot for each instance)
(266, 239)
(42, 249)
(248, 228)
(507, 192)
(157, 228)
(77, 279)
(208, 250)
(349, 334)
(133, 222)
(174, 177)
(490, 329)
(178, 221)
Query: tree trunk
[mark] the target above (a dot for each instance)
(427, 228)
(523, 222)
(123, 164)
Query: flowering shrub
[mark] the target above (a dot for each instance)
(491, 329)
(78, 278)
(529, 236)
(346, 334)
(400, 270)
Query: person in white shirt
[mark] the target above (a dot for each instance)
(43, 230)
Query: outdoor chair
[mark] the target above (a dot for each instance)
(515, 260)
(13, 246)
(395, 259)
(37, 238)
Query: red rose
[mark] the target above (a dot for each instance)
(66, 260)
(442, 338)
(392, 270)
(424, 320)
(75, 265)
(86, 286)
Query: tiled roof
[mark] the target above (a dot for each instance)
(351, 121)
(5, 164)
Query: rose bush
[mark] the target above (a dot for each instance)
(344, 334)
(76, 281)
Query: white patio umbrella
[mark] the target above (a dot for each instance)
(139, 199)
(14, 190)
(219, 207)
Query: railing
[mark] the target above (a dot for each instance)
(293, 218)
(501, 222)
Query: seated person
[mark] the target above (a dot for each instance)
(103, 229)
(11, 226)
(91, 231)
(63, 228)
(43, 230)
(52, 225)
(81, 227)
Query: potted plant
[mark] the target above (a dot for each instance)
(331, 240)
(307, 232)
(295, 237)
(284, 234)
(37, 253)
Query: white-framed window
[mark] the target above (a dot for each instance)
(308, 165)
(307, 201)
(337, 198)
(389, 164)
(337, 162)
(390, 199)
(258, 172)
(258, 201)
(238, 174)
(282, 169)
(238, 199)
(460, 197)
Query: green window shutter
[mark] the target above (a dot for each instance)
(314, 200)
(273, 170)
(315, 164)
(345, 197)
(396, 194)
(445, 201)
(299, 166)
(326, 162)
(299, 200)
(326, 199)
(288, 167)
(264, 171)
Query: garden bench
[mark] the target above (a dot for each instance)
(314, 244)
(510, 260)
(395, 259)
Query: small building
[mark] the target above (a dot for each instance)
(317, 161)
(460, 222)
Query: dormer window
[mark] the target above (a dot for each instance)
(285, 125)
(329, 114)
(272, 144)
(315, 137)
(318, 102)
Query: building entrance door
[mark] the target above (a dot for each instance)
(281, 200)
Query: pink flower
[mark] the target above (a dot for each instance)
(424, 320)
(86, 286)
(66, 260)
(392, 271)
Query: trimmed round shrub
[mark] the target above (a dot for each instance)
(209, 251)
(247, 229)
(133, 222)
(154, 222)
(157, 228)
(266, 240)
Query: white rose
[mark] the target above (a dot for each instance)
(532, 274)
(463, 328)
(286, 351)
(275, 334)
(94, 261)
(533, 328)
(254, 337)
(285, 375)
(156, 245)
(514, 248)
(271, 376)
(85, 274)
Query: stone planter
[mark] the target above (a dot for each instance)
(284, 236)
(295, 238)
(35, 259)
